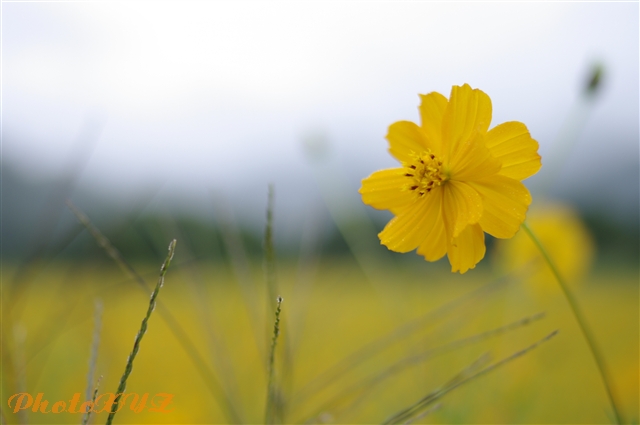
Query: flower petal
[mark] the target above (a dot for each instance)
(467, 249)
(409, 229)
(434, 246)
(468, 111)
(505, 202)
(512, 144)
(462, 205)
(432, 110)
(406, 137)
(384, 189)
(473, 161)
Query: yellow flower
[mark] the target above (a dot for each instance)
(458, 179)
(564, 237)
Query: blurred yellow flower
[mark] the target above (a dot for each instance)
(457, 180)
(564, 237)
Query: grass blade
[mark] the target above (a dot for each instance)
(375, 347)
(415, 408)
(366, 385)
(95, 343)
(87, 415)
(272, 397)
(582, 323)
(143, 329)
(173, 324)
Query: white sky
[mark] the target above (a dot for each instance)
(220, 94)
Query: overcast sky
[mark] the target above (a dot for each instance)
(221, 95)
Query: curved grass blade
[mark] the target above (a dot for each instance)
(582, 323)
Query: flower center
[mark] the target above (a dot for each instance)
(425, 172)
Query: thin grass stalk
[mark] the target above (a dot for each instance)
(410, 413)
(271, 279)
(87, 415)
(269, 254)
(221, 358)
(369, 383)
(271, 385)
(574, 123)
(309, 257)
(423, 414)
(46, 335)
(377, 346)
(19, 339)
(52, 210)
(143, 329)
(95, 344)
(582, 323)
(241, 267)
(415, 408)
(174, 325)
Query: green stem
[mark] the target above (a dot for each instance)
(143, 329)
(577, 313)
(271, 387)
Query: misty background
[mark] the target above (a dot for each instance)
(160, 116)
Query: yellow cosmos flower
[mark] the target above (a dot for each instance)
(564, 237)
(458, 179)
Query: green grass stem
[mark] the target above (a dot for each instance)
(582, 323)
(143, 329)
(271, 385)
(269, 254)
(369, 350)
(95, 344)
(369, 383)
(172, 323)
(87, 415)
(461, 379)
(423, 414)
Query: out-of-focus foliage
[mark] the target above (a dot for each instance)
(324, 320)
(565, 238)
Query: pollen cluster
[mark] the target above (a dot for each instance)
(424, 171)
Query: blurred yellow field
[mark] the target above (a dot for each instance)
(327, 317)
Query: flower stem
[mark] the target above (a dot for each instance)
(577, 313)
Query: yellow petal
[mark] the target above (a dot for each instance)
(505, 202)
(434, 246)
(512, 144)
(468, 111)
(408, 230)
(406, 137)
(467, 249)
(462, 205)
(432, 110)
(383, 189)
(473, 161)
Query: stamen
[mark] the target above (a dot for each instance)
(424, 171)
